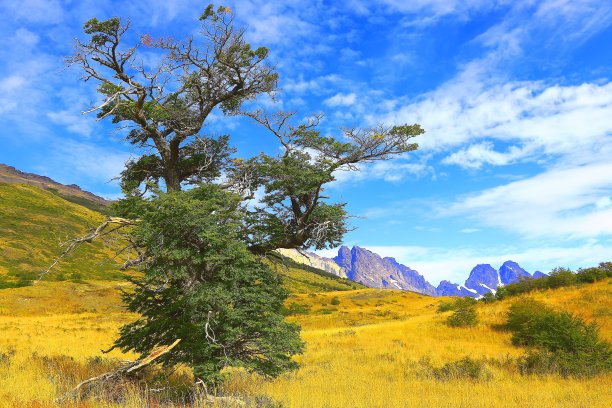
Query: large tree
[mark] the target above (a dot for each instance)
(200, 258)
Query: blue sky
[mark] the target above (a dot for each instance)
(515, 97)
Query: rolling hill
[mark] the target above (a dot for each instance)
(35, 221)
(364, 347)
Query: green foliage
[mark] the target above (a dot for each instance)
(465, 313)
(33, 224)
(296, 309)
(445, 307)
(457, 303)
(561, 342)
(465, 369)
(203, 286)
(334, 301)
(559, 277)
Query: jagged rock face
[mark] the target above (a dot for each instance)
(511, 272)
(446, 288)
(538, 274)
(370, 269)
(344, 258)
(483, 279)
(314, 260)
(360, 265)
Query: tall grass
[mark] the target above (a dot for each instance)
(375, 348)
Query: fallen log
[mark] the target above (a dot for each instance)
(121, 372)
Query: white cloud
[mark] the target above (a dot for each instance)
(84, 164)
(550, 119)
(341, 99)
(36, 11)
(389, 171)
(476, 155)
(76, 123)
(568, 202)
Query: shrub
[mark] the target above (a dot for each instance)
(445, 307)
(561, 342)
(455, 304)
(464, 316)
(335, 301)
(561, 277)
(467, 368)
(295, 309)
(566, 364)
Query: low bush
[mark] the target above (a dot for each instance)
(559, 342)
(295, 309)
(465, 369)
(455, 304)
(464, 316)
(559, 277)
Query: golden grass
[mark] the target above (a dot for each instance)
(366, 351)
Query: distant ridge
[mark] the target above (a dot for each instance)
(370, 269)
(11, 175)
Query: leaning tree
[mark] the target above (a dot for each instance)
(200, 248)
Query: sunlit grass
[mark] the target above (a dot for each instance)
(366, 348)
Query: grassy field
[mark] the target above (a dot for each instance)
(365, 348)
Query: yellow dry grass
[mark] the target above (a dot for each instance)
(365, 348)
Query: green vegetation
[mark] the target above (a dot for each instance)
(28, 248)
(460, 302)
(201, 285)
(464, 312)
(559, 277)
(33, 224)
(102, 209)
(558, 342)
(467, 368)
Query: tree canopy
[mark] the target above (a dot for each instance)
(198, 235)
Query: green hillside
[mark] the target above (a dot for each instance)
(34, 222)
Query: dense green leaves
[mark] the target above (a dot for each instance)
(559, 277)
(202, 285)
(559, 342)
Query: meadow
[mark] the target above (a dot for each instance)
(364, 348)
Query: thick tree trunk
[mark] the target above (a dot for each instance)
(172, 179)
(172, 176)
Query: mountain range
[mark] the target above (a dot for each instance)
(370, 269)
(356, 264)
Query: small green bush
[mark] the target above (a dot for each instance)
(561, 277)
(445, 307)
(335, 301)
(295, 309)
(464, 316)
(560, 342)
(455, 304)
(465, 369)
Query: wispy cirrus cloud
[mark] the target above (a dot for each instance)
(565, 202)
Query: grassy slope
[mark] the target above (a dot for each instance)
(34, 222)
(364, 351)
(363, 346)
